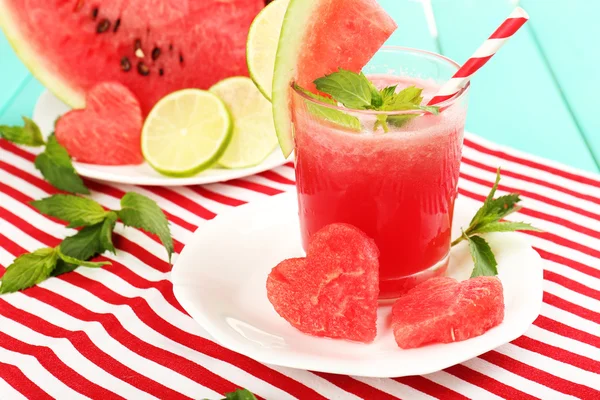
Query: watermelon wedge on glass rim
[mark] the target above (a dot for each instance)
(318, 37)
(153, 47)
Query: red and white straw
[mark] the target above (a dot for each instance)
(504, 32)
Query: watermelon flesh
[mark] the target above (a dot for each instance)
(344, 34)
(333, 291)
(107, 131)
(443, 310)
(153, 47)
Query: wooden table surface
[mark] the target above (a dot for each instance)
(536, 95)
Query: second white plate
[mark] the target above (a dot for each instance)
(48, 108)
(220, 279)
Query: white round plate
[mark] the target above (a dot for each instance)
(220, 279)
(48, 108)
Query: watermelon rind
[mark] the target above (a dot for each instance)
(295, 25)
(36, 64)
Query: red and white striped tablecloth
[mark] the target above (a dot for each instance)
(118, 332)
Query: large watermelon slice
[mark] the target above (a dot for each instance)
(318, 37)
(153, 47)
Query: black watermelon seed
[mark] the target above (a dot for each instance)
(143, 69)
(161, 72)
(125, 64)
(94, 12)
(180, 58)
(155, 53)
(170, 47)
(117, 24)
(137, 45)
(103, 26)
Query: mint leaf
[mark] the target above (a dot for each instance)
(506, 226)
(376, 96)
(328, 114)
(349, 88)
(407, 97)
(80, 263)
(501, 207)
(240, 394)
(388, 93)
(483, 257)
(28, 270)
(141, 212)
(106, 232)
(29, 134)
(56, 167)
(483, 211)
(85, 244)
(317, 97)
(334, 116)
(78, 211)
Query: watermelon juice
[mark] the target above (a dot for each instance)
(398, 187)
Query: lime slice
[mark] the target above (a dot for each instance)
(186, 132)
(254, 137)
(261, 47)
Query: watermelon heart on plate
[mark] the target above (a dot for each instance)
(107, 131)
(443, 310)
(333, 291)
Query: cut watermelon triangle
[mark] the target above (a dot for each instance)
(317, 38)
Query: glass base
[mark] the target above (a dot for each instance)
(391, 289)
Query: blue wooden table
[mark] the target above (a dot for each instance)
(536, 95)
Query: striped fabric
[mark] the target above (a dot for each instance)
(118, 332)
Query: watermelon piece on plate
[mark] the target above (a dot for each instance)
(108, 131)
(317, 38)
(333, 291)
(443, 310)
(154, 47)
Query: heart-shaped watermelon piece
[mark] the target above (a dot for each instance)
(443, 310)
(107, 131)
(333, 291)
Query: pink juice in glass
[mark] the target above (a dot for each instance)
(398, 187)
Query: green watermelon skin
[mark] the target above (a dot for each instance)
(153, 47)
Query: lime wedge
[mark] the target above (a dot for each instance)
(186, 132)
(261, 47)
(254, 137)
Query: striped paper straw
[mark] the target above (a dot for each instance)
(460, 79)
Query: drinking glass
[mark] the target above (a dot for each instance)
(398, 186)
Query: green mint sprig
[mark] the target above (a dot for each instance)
(93, 239)
(486, 220)
(54, 162)
(355, 91)
(96, 223)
